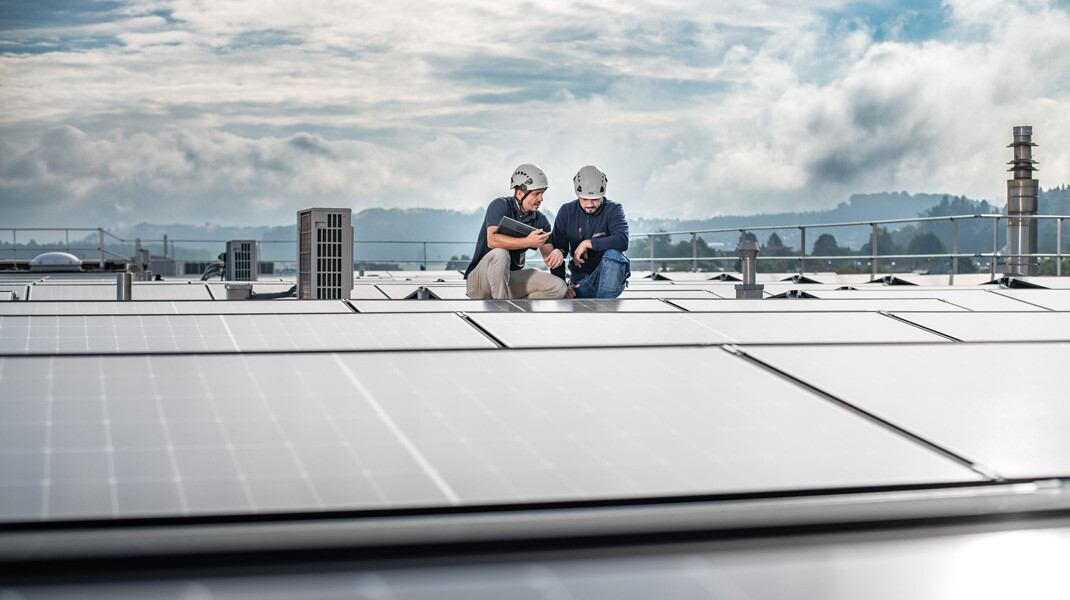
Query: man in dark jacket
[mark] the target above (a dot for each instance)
(593, 230)
(497, 267)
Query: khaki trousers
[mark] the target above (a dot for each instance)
(492, 279)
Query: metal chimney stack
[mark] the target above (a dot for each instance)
(1022, 200)
(750, 289)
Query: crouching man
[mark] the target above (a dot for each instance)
(497, 268)
(592, 228)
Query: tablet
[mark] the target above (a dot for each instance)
(514, 228)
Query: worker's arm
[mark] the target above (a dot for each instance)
(559, 241)
(535, 239)
(617, 236)
(551, 256)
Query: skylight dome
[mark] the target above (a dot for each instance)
(56, 261)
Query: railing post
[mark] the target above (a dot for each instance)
(650, 240)
(1058, 247)
(802, 251)
(995, 244)
(694, 252)
(873, 243)
(14, 246)
(100, 230)
(165, 247)
(954, 250)
(425, 256)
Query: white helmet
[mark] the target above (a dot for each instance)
(590, 183)
(529, 177)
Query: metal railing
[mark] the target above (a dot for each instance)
(874, 257)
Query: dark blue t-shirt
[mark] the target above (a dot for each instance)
(505, 207)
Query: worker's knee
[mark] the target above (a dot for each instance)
(498, 256)
(558, 288)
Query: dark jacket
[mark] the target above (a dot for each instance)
(606, 228)
(505, 207)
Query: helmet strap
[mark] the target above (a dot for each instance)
(520, 202)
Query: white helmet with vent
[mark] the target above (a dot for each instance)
(529, 177)
(590, 183)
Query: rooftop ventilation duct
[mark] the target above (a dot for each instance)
(1022, 200)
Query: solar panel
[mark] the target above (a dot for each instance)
(545, 330)
(996, 327)
(537, 330)
(815, 305)
(107, 291)
(71, 292)
(219, 288)
(448, 292)
(171, 291)
(968, 299)
(400, 291)
(1050, 299)
(659, 292)
(176, 307)
(415, 306)
(233, 333)
(586, 305)
(103, 437)
(366, 291)
(1014, 425)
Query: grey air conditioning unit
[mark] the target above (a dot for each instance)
(324, 253)
(242, 259)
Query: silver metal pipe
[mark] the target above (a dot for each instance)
(124, 287)
(1022, 200)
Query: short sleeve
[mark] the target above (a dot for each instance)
(495, 212)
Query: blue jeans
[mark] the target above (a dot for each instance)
(608, 279)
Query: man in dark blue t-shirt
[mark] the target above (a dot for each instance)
(497, 268)
(593, 229)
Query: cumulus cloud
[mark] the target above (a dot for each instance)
(224, 111)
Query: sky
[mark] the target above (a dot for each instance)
(232, 112)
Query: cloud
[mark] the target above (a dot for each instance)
(229, 111)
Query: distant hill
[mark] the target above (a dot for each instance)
(436, 225)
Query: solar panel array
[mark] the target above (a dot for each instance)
(189, 406)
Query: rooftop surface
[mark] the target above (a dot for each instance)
(839, 438)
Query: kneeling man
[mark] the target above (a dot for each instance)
(593, 230)
(497, 268)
